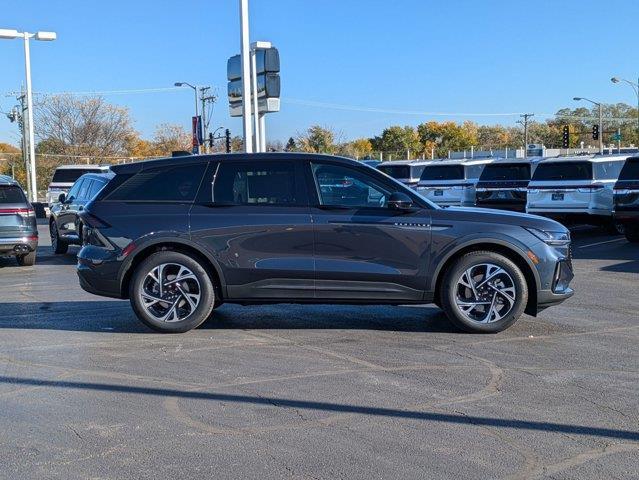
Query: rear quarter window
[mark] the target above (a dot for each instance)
(162, 184)
(443, 172)
(608, 170)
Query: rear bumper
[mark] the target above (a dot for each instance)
(627, 216)
(18, 245)
(98, 272)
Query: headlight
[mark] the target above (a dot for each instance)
(550, 238)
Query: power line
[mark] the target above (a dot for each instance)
(131, 91)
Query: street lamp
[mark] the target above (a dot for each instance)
(600, 105)
(183, 84)
(10, 34)
(635, 87)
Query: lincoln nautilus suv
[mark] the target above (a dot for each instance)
(181, 236)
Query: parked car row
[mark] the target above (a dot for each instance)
(582, 189)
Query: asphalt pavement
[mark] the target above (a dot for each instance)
(320, 392)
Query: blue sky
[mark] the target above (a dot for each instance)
(459, 56)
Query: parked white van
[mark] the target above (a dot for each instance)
(452, 182)
(405, 171)
(576, 189)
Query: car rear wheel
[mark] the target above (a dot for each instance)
(632, 234)
(171, 292)
(27, 260)
(58, 245)
(483, 292)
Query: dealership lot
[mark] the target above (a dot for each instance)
(320, 391)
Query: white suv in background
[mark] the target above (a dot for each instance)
(452, 182)
(576, 189)
(65, 176)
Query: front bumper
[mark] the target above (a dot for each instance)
(18, 245)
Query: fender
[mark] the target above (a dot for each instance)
(464, 242)
(157, 238)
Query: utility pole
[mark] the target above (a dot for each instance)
(205, 99)
(25, 143)
(524, 122)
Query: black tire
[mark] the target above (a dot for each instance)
(59, 246)
(196, 316)
(27, 260)
(632, 234)
(614, 228)
(450, 288)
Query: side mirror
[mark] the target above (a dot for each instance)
(400, 201)
(62, 197)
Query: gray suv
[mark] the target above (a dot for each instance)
(18, 228)
(181, 236)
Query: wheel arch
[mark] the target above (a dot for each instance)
(182, 246)
(509, 251)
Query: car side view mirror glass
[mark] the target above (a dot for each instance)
(62, 197)
(400, 201)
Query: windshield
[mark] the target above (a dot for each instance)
(563, 171)
(11, 194)
(395, 171)
(443, 172)
(506, 172)
(70, 175)
(630, 170)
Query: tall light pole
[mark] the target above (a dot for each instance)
(600, 105)
(635, 87)
(246, 76)
(197, 113)
(8, 34)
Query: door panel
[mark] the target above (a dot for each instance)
(257, 225)
(364, 249)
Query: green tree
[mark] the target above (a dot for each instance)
(316, 139)
(399, 141)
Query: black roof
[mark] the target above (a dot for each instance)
(135, 167)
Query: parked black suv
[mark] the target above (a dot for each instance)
(65, 227)
(503, 184)
(180, 236)
(626, 193)
(18, 228)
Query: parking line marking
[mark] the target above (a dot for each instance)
(602, 243)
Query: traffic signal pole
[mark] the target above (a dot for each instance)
(601, 149)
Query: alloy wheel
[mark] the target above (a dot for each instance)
(485, 293)
(170, 292)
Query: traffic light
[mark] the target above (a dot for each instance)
(566, 137)
(595, 132)
(227, 134)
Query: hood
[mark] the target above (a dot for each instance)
(487, 215)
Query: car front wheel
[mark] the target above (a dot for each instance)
(483, 292)
(171, 292)
(57, 244)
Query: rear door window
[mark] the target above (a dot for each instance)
(84, 189)
(259, 183)
(11, 194)
(563, 171)
(75, 189)
(338, 185)
(161, 184)
(70, 175)
(395, 171)
(96, 186)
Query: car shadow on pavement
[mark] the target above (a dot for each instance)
(117, 317)
(624, 253)
(263, 401)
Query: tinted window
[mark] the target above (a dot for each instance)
(630, 170)
(506, 172)
(563, 171)
(443, 172)
(70, 175)
(162, 184)
(11, 194)
(395, 171)
(266, 183)
(96, 186)
(75, 189)
(343, 186)
(608, 170)
(84, 189)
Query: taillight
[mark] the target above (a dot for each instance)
(590, 189)
(23, 212)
